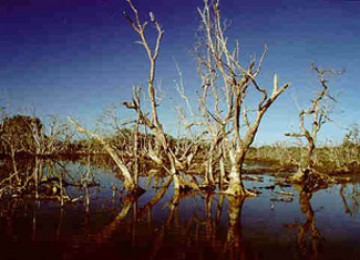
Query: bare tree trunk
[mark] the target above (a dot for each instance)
(310, 154)
(209, 175)
(14, 164)
(39, 144)
(163, 153)
(136, 152)
(37, 170)
(129, 183)
(236, 186)
(62, 191)
(319, 114)
(222, 176)
(221, 72)
(181, 184)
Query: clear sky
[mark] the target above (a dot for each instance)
(75, 57)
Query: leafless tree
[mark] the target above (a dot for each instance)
(163, 153)
(22, 133)
(318, 114)
(55, 140)
(225, 86)
(129, 182)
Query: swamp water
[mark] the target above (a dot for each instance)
(310, 224)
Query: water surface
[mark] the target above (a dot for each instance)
(283, 222)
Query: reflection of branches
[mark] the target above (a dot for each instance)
(346, 206)
(189, 232)
(353, 207)
(154, 200)
(305, 194)
(128, 202)
(174, 207)
(105, 234)
(210, 231)
(60, 224)
(41, 180)
(234, 244)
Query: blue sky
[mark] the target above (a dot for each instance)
(75, 57)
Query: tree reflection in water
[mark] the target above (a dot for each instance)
(306, 249)
(351, 200)
(234, 242)
(160, 224)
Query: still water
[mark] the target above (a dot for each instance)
(282, 223)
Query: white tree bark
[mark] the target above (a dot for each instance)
(129, 182)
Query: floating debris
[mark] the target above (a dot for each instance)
(285, 193)
(282, 199)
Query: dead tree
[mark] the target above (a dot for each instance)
(318, 114)
(54, 141)
(29, 135)
(162, 154)
(225, 87)
(128, 147)
(129, 182)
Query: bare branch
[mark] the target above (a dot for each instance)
(129, 182)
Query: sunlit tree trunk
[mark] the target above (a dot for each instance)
(225, 85)
(209, 174)
(319, 115)
(129, 182)
(163, 153)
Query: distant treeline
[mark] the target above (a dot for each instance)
(27, 135)
(23, 134)
(343, 158)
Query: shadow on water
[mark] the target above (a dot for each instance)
(78, 210)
